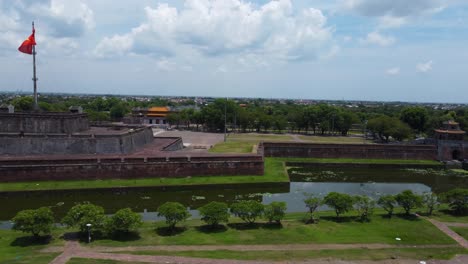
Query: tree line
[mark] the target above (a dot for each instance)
(384, 122)
(87, 217)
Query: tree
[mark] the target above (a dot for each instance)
(387, 202)
(248, 211)
(458, 200)
(341, 202)
(416, 117)
(312, 203)
(275, 211)
(117, 111)
(123, 221)
(431, 201)
(214, 213)
(174, 213)
(23, 103)
(408, 200)
(34, 221)
(85, 213)
(364, 206)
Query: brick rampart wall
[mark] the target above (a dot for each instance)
(369, 151)
(31, 122)
(32, 144)
(128, 168)
(446, 149)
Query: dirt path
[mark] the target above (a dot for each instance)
(288, 247)
(73, 249)
(449, 232)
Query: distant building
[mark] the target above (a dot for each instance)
(156, 115)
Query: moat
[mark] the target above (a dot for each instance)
(372, 182)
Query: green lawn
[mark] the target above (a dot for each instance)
(233, 147)
(274, 172)
(297, 255)
(335, 139)
(294, 231)
(443, 215)
(366, 161)
(255, 137)
(17, 247)
(462, 231)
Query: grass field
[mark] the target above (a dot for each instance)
(16, 248)
(335, 140)
(274, 172)
(462, 231)
(294, 231)
(296, 255)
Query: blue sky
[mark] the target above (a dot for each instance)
(337, 49)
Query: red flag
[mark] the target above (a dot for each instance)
(27, 45)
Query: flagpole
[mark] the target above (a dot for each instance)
(36, 106)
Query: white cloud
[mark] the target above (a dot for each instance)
(424, 67)
(215, 27)
(394, 8)
(393, 71)
(59, 23)
(392, 22)
(378, 39)
(165, 65)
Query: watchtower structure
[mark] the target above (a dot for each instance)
(450, 142)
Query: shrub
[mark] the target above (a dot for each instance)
(275, 211)
(85, 213)
(34, 221)
(431, 201)
(123, 221)
(312, 203)
(214, 213)
(408, 200)
(340, 202)
(387, 202)
(364, 205)
(174, 213)
(248, 211)
(458, 200)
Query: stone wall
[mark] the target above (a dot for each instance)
(369, 151)
(128, 168)
(34, 144)
(43, 123)
(452, 150)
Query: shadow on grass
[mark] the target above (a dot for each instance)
(209, 229)
(27, 241)
(167, 231)
(341, 219)
(410, 217)
(124, 237)
(245, 226)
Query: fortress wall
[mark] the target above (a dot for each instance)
(131, 168)
(31, 122)
(75, 144)
(368, 151)
(446, 149)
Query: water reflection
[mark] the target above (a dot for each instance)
(371, 182)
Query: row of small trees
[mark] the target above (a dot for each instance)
(41, 221)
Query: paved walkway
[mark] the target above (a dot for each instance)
(456, 224)
(449, 232)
